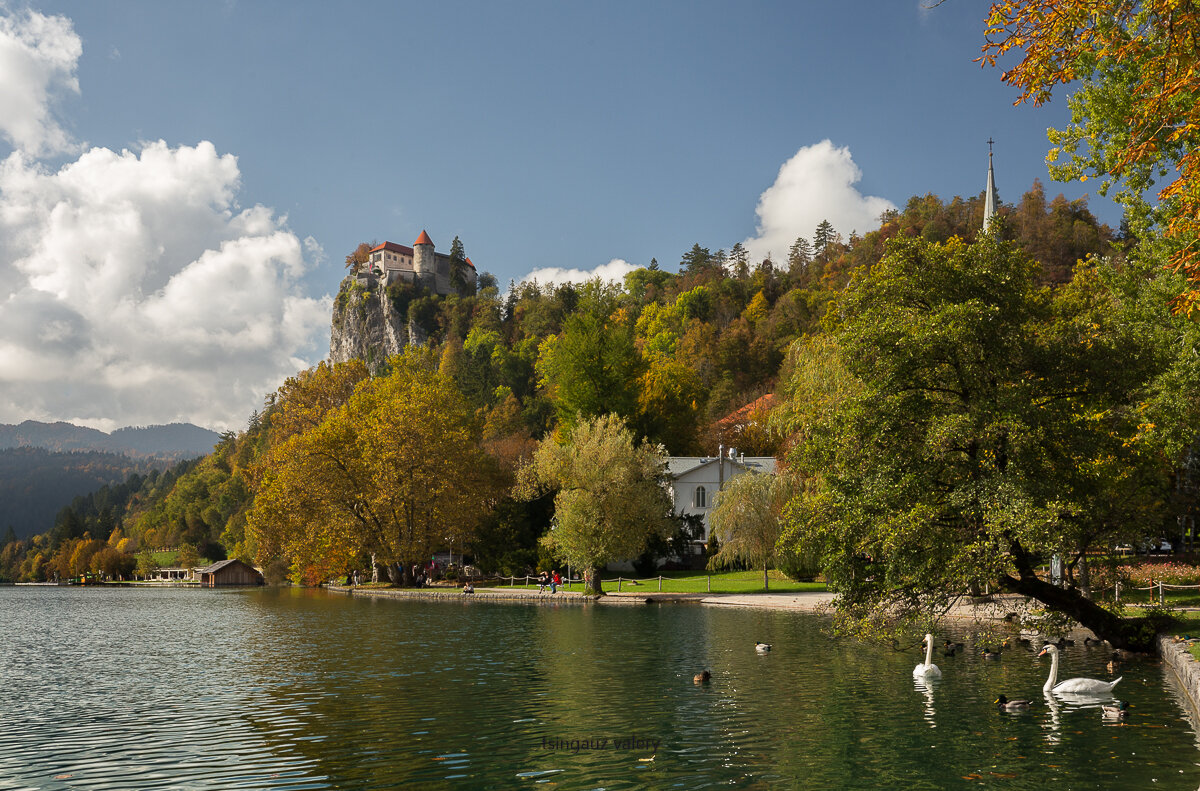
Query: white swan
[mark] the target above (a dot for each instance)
(1073, 686)
(927, 668)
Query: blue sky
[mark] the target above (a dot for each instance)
(545, 135)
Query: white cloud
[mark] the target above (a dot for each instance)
(615, 271)
(37, 62)
(134, 290)
(814, 185)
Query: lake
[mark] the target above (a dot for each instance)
(278, 688)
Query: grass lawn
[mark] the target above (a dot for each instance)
(698, 582)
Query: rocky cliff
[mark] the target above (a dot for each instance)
(367, 326)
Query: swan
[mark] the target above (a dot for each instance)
(927, 668)
(1077, 686)
(762, 648)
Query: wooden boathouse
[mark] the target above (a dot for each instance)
(229, 572)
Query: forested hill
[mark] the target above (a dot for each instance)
(685, 355)
(35, 484)
(169, 443)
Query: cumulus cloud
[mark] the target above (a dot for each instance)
(134, 290)
(38, 54)
(814, 185)
(615, 271)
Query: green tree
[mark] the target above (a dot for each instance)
(591, 368)
(611, 495)
(459, 267)
(745, 520)
(823, 240)
(989, 428)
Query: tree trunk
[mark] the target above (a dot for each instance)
(591, 582)
(374, 569)
(1133, 634)
(766, 579)
(395, 574)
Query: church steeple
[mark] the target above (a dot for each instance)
(990, 199)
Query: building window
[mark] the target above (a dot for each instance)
(701, 498)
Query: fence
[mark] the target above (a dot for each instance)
(1159, 587)
(567, 583)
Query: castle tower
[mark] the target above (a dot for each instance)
(424, 261)
(990, 198)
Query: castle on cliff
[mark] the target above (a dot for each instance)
(420, 263)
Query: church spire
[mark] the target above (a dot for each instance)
(990, 198)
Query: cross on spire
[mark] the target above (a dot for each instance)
(990, 141)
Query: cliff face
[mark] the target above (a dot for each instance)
(367, 326)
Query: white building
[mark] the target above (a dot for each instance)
(695, 480)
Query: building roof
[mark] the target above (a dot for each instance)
(393, 248)
(220, 564)
(423, 239)
(681, 465)
(469, 263)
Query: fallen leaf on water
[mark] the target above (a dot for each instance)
(63, 777)
(972, 777)
(1001, 774)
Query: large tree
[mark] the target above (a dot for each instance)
(987, 426)
(611, 495)
(591, 368)
(395, 472)
(1135, 110)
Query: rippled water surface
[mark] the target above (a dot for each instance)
(164, 689)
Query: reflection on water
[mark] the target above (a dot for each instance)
(118, 689)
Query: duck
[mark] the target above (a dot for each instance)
(927, 669)
(762, 648)
(1089, 640)
(1063, 642)
(990, 654)
(1115, 711)
(701, 677)
(1076, 686)
(1004, 704)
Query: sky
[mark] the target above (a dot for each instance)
(180, 182)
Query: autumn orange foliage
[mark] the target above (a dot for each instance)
(1156, 43)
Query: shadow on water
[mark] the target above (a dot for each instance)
(300, 689)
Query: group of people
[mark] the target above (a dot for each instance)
(552, 579)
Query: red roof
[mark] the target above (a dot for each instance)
(470, 264)
(393, 248)
(423, 239)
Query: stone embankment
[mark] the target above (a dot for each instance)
(1187, 670)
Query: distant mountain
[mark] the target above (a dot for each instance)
(35, 484)
(170, 443)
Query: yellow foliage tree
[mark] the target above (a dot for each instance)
(396, 472)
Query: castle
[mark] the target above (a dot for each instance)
(390, 262)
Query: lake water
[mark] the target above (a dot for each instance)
(195, 689)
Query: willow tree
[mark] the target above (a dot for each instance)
(986, 426)
(394, 472)
(611, 494)
(745, 520)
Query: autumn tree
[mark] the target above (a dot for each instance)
(360, 256)
(1135, 110)
(395, 472)
(611, 495)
